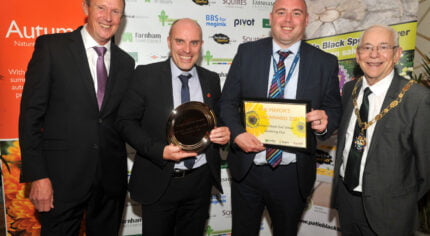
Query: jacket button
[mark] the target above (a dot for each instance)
(95, 146)
(100, 121)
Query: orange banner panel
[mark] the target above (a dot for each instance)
(22, 22)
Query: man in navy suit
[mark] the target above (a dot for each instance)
(71, 152)
(377, 182)
(175, 196)
(312, 75)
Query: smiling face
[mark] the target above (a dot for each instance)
(288, 20)
(103, 18)
(376, 63)
(185, 42)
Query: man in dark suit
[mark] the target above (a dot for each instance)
(175, 197)
(382, 161)
(310, 75)
(71, 153)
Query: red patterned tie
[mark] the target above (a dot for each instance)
(274, 156)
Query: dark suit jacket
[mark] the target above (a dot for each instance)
(63, 135)
(142, 120)
(396, 173)
(248, 78)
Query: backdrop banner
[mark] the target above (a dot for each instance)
(334, 26)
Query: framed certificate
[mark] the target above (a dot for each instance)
(278, 123)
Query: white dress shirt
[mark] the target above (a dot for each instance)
(195, 95)
(89, 44)
(376, 98)
(289, 93)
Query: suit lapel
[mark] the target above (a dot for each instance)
(304, 69)
(392, 93)
(80, 59)
(261, 71)
(166, 91)
(348, 112)
(206, 90)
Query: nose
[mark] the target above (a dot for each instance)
(187, 47)
(374, 52)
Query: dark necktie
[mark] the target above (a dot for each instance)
(101, 75)
(352, 171)
(274, 156)
(185, 97)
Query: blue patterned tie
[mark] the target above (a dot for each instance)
(274, 156)
(185, 97)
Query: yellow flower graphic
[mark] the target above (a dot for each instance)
(256, 118)
(298, 126)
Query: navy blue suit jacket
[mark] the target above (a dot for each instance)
(248, 78)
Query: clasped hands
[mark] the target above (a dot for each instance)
(249, 143)
(218, 135)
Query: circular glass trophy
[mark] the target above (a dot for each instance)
(189, 126)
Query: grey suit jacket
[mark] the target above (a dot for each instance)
(396, 173)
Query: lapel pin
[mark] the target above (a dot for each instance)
(208, 95)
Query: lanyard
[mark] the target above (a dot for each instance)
(290, 72)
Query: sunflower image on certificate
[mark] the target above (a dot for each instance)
(278, 123)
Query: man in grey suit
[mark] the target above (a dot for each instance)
(383, 155)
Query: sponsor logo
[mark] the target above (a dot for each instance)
(147, 37)
(132, 221)
(216, 21)
(243, 22)
(218, 199)
(236, 3)
(211, 232)
(252, 38)
(136, 17)
(164, 19)
(31, 32)
(127, 37)
(266, 23)
(201, 2)
(134, 55)
(221, 38)
(211, 60)
(262, 3)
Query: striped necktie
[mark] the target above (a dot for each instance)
(274, 156)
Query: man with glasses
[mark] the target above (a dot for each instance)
(383, 154)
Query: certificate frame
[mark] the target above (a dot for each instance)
(278, 123)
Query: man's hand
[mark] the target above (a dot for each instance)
(249, 143)
(175, 153)
(220, 135)
(318, 120)
(42, 194)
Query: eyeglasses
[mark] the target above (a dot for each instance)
(383, 48)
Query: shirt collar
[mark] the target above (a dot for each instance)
(89, 42)
(176, 71)
(293, 49)
(380, 87)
